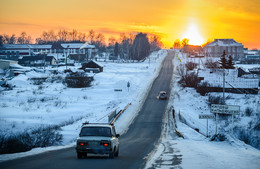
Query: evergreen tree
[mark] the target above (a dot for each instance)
(141, 47)
(223, 61)
(230, 64)
(116, 49)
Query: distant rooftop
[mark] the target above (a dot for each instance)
(224, 42)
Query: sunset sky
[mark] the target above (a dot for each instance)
(197, 20)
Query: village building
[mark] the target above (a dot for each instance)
(92, 66)
(57, 50)
(37, 61)
(193, 50)
(230, 46)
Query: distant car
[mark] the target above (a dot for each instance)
(97, 138)
(162, 95)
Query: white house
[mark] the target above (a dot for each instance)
(230, 46)
(59, 51)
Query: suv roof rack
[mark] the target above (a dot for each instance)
(97, 123)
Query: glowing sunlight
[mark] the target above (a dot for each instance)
(193, 35)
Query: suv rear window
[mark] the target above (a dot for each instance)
(96, 131)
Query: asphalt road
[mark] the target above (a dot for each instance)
(135, 145)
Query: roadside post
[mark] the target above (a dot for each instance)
(128, 85)
(206, 116)
(225, 109)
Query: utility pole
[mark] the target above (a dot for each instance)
(67, 55)
(223, 86)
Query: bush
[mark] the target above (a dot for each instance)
(41, 137)
(257, 126)
(214, 99)
(202, 88)
(189, 79)
(218, 137)
(191, 65)
(248, 111)
(38, 80)
(78, 80)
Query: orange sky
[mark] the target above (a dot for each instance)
(197, 20)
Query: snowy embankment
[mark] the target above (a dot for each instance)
(29, 106)
(196, 151)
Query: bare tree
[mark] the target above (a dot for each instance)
(177, 44)
(81, 37)
(100, 42)
(184, 42)
(24, 39)
(62, 35)
(111, 41)
(6, 39)
(126, 43)
(155, 42)
(72, 36)
(91, 36)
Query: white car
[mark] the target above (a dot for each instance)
(162, 95)
(98, 139)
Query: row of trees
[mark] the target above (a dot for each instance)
(23, 38)
(134, 47)
(128, 46)
(226, 63)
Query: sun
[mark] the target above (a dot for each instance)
(193, 35)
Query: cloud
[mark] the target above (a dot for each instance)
(18, 24)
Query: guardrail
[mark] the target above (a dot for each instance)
(184, 122)
(174, 121)
(120, 113)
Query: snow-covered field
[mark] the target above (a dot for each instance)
(29, 106)
(24, 107)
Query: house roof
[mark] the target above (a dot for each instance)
(71, 45)
(53, 46)
(57, 46)
(224, 42)
(36, 46)
(34, 58)
(91, 64)
(86, 45)
(16, 46)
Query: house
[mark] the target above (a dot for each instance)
(230, 46)
(91, 65)
(13, 51)
(255, 70)
(4, 64)
(192, 50)
(37, 61)
(59, 50)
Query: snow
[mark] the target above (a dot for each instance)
(22, 108)
(196, 151)
(29, 106)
